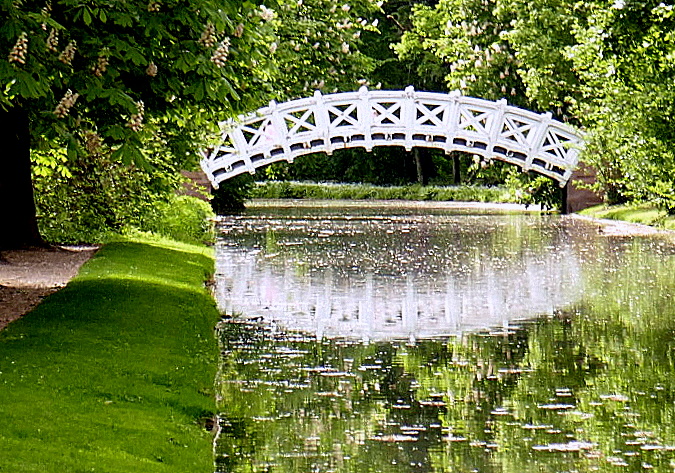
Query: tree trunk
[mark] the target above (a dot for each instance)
(418, 166)
(456, 169)
(17, 204)
(424, 165)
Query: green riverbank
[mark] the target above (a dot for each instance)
(642, 214)
(343, 191)
(115, 373)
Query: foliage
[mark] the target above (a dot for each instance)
(128, 82)
(231, 194)
(87, 199)
(121, 362)
(121, 82)
(125, 72)
(182, 218)
(319, 46)
(624, 58)
(462, 40)
(391, 71)
(306, 190)
(606, 66)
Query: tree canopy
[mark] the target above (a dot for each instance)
(606, 66)
(123, 73)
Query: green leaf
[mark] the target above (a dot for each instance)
(72, 151)
(199, 91)
(123, 154)
(136, 56)
(124, 20)
(116, 132)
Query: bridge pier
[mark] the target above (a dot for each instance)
(575, 196)
(197, 184)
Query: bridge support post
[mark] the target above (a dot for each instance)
(576, 195)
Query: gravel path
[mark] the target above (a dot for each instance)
(28, 276)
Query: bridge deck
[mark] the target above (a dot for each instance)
(451, 122)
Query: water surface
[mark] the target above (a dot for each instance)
(422, 338)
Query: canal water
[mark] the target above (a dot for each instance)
(424, 337)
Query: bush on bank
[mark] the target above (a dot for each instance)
(95, 198)
(178, 217)
(307, 190)
(115, 372)
(183, 218)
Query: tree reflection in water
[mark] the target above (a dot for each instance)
(585, 387)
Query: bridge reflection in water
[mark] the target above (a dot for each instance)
(396, 279)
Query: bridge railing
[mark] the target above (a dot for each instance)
(452, 122)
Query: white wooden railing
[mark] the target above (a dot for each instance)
(366, 118)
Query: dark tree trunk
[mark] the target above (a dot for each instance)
(424, 165)
(418, 166)
(18, 221)
(456, 169)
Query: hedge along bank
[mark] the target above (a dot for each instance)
(115, 372)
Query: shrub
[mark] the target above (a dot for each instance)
(305, 190)
(183, 218)
(231, 195)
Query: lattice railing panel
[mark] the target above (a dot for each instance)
(431, 114)
(387, 113)
(518, 129)
(451, 122)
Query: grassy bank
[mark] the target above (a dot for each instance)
(328, 191)
(115, 372)
(643, 214)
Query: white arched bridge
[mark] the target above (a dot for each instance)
(408, 118)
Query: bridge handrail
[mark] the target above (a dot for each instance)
(408, 118)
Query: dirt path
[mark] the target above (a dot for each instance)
(28, 276)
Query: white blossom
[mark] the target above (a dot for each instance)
(68, 54)
(65, 104)
(136, 120)
(20, 49)
(151, 69)
(208, 37)
(266, 14)
(101, 65)
(53, 40)
(219, 56)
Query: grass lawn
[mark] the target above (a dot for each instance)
(114, 373)
(644, 214)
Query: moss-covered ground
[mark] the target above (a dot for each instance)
(115, 372)
(643, 214)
